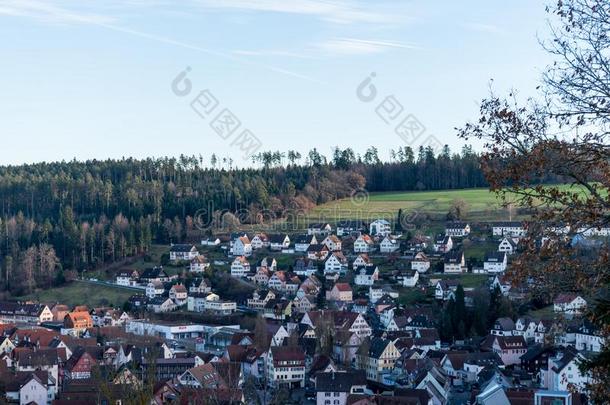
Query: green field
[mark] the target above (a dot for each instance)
(467, 280)
(82, 293)
(482, 205)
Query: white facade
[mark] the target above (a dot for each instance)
(420, 263)
(363, 244)
(34, 391)
(366, 275)
(495, 264)
(410, 280)
(335, 264)
(589, 342)
(380, 227)
(562, 378)
(242, 247)
(457, 229)
(240, 267)
(573, 306)
(389, 245)
(455, 266)
(507, 246)
(511, 229)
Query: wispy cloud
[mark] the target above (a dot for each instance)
(361, 46)
(485, 28)
(45, 12)
(271, 52)
(337, 11)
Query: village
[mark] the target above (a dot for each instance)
(335, 314)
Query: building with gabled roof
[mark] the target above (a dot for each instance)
(182, 252)
(376, 356)
(286, 367)
(339, 385)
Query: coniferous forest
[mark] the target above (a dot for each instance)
(72, 216)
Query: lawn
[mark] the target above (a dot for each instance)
(468, 280)
(543, 313)
(82, 293)
(483, 205)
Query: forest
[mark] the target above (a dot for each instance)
(72, 216)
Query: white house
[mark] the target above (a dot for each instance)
(420, 263)
(495, 262)
(179, 294)
(361, 260)
(337, 386)
(366, 275)
(507, 245)
(332, 242)
(279, 242)
(410, 279)
(214, 304)
(380, 227)
(443, 244)
(199, 264)
(336, 262)
(564, 371)
(513, 229)
(242, 246)
(34, 391)
(350, 228)
(589, 337)
(502, 283)
(509, 348)
(364, 244)
(161, 304)
(286, 367)
(454, 262)
(127, 279)
(211, 241)
(268, 262)
(182, 253)
(259, 241)
(319, 229)
(457, 229)
(199, 286)
(303, 242)
(526, 327)
(154, 289)
(444, 289)
(389, 244)
(568, 303)
(240, 267)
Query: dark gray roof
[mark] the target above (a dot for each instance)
(494, 256)
(181, 248)
(377, 347)
(453, 257)
(339, 382)
(277, 238)
(152, 273)
(15, 308)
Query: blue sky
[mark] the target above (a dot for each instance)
(93, 80)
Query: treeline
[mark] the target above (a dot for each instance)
(41, 254)
(95, 212)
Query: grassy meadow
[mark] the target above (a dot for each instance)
(482, 205)
(82, 293)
